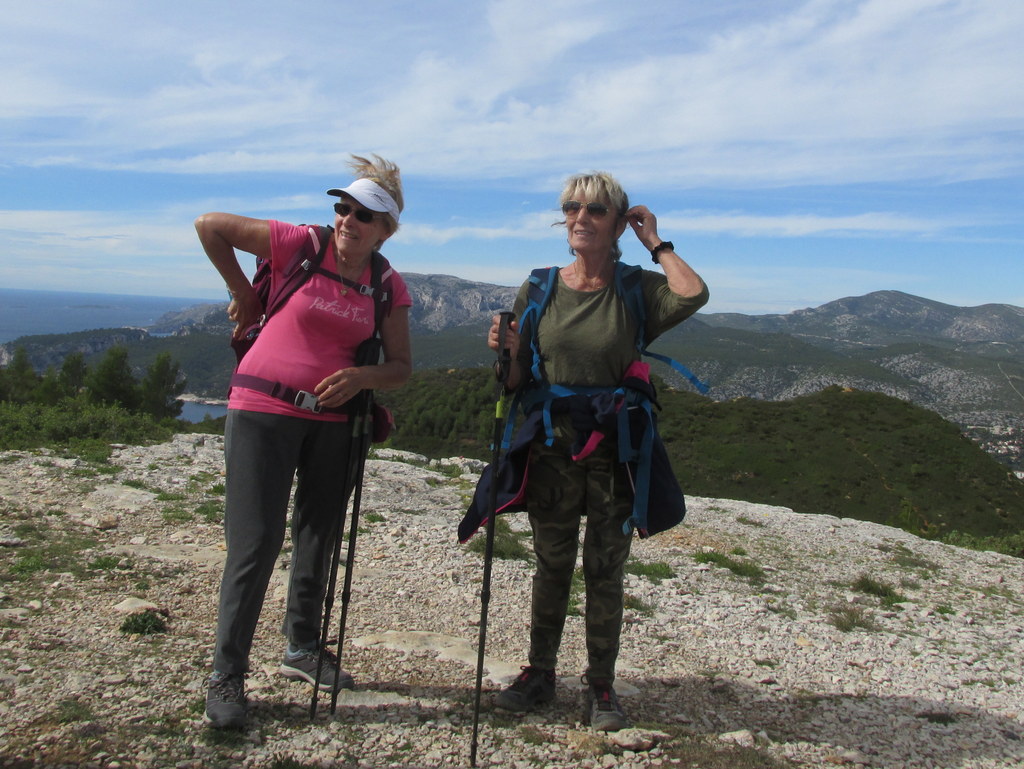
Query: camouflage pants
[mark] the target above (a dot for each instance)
(560, 492)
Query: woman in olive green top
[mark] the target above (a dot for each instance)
(586, 338)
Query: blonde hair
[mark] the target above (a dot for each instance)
(597, 187)
(386, 174)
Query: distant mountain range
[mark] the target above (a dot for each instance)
(964, 363)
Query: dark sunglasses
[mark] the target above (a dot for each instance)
(362, 214)
(594, 209)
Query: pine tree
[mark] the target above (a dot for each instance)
(73, 372)
(160, 388)
(112, 381)
(19, 378)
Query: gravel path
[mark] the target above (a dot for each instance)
(732, 654)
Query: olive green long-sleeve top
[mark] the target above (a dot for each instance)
(588, 338)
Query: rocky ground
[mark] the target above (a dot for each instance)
(754, 637)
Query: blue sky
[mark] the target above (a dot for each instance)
(796, 151)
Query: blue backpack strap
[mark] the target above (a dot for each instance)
(629, 287)
(530, 399)
(542, 285)
(639, 456)
(629, 284)
(702, 387)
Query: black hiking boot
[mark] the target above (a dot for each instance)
(225, 701)
(301, 665)
(533, 687)
(601, 707)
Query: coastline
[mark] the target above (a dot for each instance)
(202, 400)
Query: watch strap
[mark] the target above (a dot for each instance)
(665, 245)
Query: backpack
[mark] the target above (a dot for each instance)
(630, 404)
(628, 286)
(622, 414)
(302, 265)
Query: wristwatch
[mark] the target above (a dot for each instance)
(665, 245)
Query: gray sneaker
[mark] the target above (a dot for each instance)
(602, 709)
(302, 666)
(532, 687)
(225, 701)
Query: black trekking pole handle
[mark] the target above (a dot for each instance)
(503, 366)
(501, 371)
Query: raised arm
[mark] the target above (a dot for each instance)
(220, 235)
(682, 279)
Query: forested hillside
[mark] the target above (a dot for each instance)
(844, 452)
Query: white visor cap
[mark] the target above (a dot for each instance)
(371, 195)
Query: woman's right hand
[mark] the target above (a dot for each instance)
(511, 337)
(220, 234)
(244, 309)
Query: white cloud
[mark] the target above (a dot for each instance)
(243, 106)
(823, 91)
(538, 227)
(798, 226)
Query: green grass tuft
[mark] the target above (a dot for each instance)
(746, 569)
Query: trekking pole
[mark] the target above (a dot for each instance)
(361, 442)
(501, 372)
(333, 577)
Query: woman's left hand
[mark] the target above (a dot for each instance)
(645, 225)
(341, 386)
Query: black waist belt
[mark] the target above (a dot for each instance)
(302, 399)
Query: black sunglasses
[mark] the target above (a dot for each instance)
(594, 209)
(362, 214)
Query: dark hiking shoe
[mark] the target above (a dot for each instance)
(225, 701)
(302, 666)
(602, 709)
(533, 687)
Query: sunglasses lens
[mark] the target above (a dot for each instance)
(344, 209)
(594, 209)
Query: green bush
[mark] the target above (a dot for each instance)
(850, 618)
(143, 623)
(871, 586)
(746, 569)
(655, 572)
(507, 544)
(75, 424)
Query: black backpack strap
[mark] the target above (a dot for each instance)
(381, 290)
(305, 263)
(381, 301)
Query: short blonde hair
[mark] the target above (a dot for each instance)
(387, 175)
(597, 187)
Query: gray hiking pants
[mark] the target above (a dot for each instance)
(263, 454)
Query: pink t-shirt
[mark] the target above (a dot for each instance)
(313, 335)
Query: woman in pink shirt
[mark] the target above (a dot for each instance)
(308, 346)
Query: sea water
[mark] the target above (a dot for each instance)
(196, 411)
(28, 313)
(31, 313)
